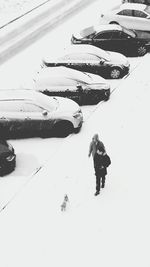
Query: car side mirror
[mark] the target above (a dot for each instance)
(102, 61)
(44, 113)
(79, 86)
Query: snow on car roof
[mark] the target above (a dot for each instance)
(10, 94)
(133, 6)
(102, 28)
(28, 95)
(77, 49)
(61, 75)
(89, 49)
(97, 28)
(55, 73)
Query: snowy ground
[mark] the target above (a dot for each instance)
(110, 230)
(10, 9)
(33, 153)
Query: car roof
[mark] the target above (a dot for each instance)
(78, 49)
(133, 6)
(65, 73)
(97, 28)
(17, 94)
(28, 95)
(107, 27)
(87, 49)
(61, 71)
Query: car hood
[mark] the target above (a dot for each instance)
(118, 58)
(96, 79)
(65, 105)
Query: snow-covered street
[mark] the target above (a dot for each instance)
(111, 229)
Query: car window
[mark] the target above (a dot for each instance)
(137, 1)
(29, 107)
(81, 57)
(10, 106)
(103, 35)
(139, 14)
(116, 35)
(125, 12)
(124, 35)
(18, 106)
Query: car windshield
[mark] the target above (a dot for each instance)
(102, 54)
(129, 32)
(61, 75)
(78, 76)
(147, 9)
(87, 31)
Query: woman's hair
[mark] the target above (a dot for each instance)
(96, 137)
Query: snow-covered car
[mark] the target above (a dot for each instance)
(129, 15)
(91, 59)
(146, 2)
(26, 113)
(114, 38)
(7, 157)
(82, 87)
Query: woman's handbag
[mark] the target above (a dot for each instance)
(106, 161)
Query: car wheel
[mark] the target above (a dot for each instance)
(114, 22)
(141, 50)
(63, 129)
(115, 73)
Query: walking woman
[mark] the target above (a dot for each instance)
(97, 149)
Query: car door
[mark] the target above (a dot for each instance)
(79, 61)
(126, 19)
(141, 20)
(90, 63)
(121, 42)
(11, 118)
(103, 40)
(37, 119)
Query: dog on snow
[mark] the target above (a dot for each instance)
(64, 204)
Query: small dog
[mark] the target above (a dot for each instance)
(64, 204)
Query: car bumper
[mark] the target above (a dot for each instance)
(75, 40)
(7, 167)
(77, 130)
(125, 70)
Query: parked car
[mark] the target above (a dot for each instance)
(26, 113)
(82, 87)
(91, 59)
(7, 157)
(146, 2)
(114, 38)
(129, 15)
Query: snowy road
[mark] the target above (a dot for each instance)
(111, 230)
(18, 72)
(33, 153)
